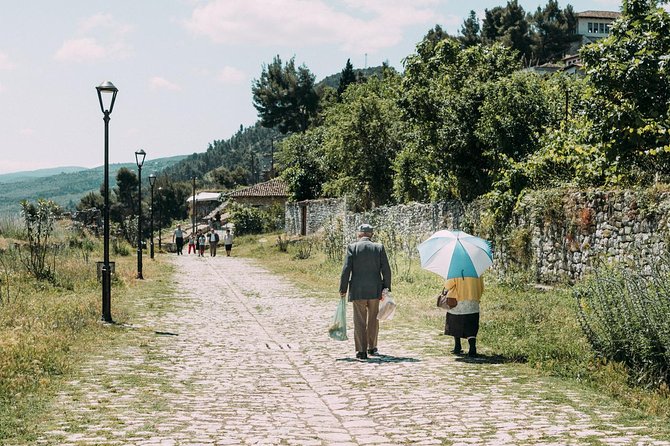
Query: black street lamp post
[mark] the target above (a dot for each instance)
(194, 217)
(108, 91)
(139, 158)
(160, 218)
(152, 181)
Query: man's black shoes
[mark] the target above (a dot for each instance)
(361, 355)
(373, 352)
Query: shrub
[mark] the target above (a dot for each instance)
(303, 249)
(39, 225)
(247, 220)
(624, 311)
(333, 240)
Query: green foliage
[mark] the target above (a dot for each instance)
(39, 226)
(301, 160)
(285, 97)
(627, 105)
(247, 219)
(623, 311)
(554, 32)
(362, 137)
(348, 76)
(333, 239)
(303, 248)
(470, 31)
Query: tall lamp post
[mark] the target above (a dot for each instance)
(194, 217)
(152, 181)
(139, 158)
(106, 91)
(160, 218)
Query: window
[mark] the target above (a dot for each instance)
(590, 27)
(607, 28)
(602, 28)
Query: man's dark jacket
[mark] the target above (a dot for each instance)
(366, 270)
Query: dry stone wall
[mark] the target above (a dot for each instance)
(556, 235)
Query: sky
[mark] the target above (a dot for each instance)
(183, 68)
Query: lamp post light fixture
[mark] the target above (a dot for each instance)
(160, 218)
(152, 181)
(139, 158)
(106, 95)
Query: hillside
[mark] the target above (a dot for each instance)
(67, 189)
(333, 81)
(15, 177)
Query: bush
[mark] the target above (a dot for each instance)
(623, 311)
(247, 220)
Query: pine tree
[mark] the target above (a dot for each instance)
(470, 31)
(348, 76)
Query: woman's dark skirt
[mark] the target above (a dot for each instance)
(462, 325)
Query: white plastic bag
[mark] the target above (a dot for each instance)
(386, 306)
(338, 328)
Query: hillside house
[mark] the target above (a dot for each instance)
(594, 25)
(262, 195)
(205, 202)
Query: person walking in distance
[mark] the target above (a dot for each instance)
(365, 273)
(178, 239)
(213, 242)
(201, 243)
(228, 242)
(191, 243)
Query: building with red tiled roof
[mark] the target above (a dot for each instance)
(264, 194)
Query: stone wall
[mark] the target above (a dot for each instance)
(554, 235)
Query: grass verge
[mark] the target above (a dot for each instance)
(47, 329)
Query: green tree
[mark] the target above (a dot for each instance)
(630, 96)
(470, 31)
(509, 26)
(301, 162)
(554, 32)
(285, 97)
(361, 141)
(348, 76)
(92, 200)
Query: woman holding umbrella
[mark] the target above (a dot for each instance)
(463, 318)
(461, 259)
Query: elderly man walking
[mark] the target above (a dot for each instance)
(365, 273)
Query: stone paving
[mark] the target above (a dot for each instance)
(243, 358)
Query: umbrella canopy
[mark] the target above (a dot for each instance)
(455, 254)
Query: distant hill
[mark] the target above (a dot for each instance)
(30, 174)
(67, 189)
(333, 81)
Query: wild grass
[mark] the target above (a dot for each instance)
(48, 326)
(536, 328)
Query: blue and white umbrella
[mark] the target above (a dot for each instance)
(455, 254)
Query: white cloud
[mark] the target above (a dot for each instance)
(2, 87)
(5, 62)
(231, 75)
(99, 36)
(159, 83)
(361, 26)
(27, 131)
(80, 50)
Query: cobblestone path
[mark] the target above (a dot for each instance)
(243, 358)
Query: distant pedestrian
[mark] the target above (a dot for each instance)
(191, 243)
(463, 317)
(213, 242)
(178, 239)
(228, 242)
(366, 272)
(202, 240)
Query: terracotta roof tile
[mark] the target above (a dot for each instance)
(273, 188)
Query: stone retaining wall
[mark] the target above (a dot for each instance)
(556, 235)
